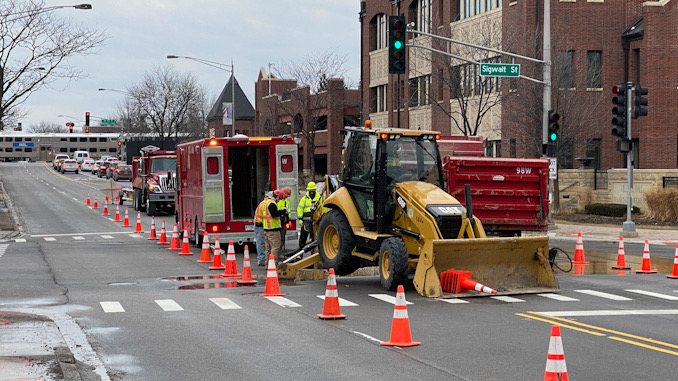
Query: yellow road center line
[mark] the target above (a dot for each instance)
(644, 345)
(562, 325)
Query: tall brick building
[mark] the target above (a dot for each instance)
(284, 108)
(595, 44)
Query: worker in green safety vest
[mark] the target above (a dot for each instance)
(304, 213)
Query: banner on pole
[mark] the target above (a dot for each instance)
(227, 113)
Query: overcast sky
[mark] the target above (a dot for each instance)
(142, 33)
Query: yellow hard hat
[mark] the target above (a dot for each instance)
(311, 186)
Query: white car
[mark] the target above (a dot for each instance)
(70, 165)
(87, 165)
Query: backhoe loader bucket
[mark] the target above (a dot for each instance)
(509, 265)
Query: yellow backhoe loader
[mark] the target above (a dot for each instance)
(390, 210)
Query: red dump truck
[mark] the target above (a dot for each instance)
(221, 181)
(153, 181)
(508, 195)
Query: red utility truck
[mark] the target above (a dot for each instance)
(153, 180)
(508, 195)
(221, 181)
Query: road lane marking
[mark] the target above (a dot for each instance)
(20, 240)
(387, 298)
(603, 295)
(453, 301)
(134, 235)
(644, 345)
(106, 236)
(608, 313)
(561, 298)
(507, 299)
(49, 239)
(368, 337)
(169, 305)
(654, 294)
(225, 303)
(3, 248)
(78, 238)
(342, 302)
(110, 307)
(551, 321)
(282, 301)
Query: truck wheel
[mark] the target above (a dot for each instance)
(150, 208)
(336, 242)
(393, 265)
(196, 234)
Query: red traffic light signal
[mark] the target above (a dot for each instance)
(119, 144)
(87, 119)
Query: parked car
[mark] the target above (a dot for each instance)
(95, 166)
(112, 167)
(87, 165)
(123, 173)
(70, 165)
(57, 157)
(101, 171)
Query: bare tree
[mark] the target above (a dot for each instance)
(167, 103)
(34, 50)
(305, 104)
(47, 127)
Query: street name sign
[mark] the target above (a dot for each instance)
(499, 70)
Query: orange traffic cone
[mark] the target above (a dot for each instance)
(106, 200)
(621, 257)
(96, 205)
(105, 213)
(246, 269)
(459, 282)
(556, 370)
(216, 263)
(645, 268)
(231, 269)
(331, 306)
(138, 229)
(125, 222)
(152, 236)
(674, 274)
(579, 251)
(272, 286)
(184, 245)
(400, 328)
(579, 268)
(205, 254)
(163, 235)
(88, 202)
(174, 244)
(117, 214)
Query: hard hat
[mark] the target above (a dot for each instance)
(311, 186)
(287, 192)
(278, 193)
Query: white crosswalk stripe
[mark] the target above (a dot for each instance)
(342, 302)
(78, 238)
(20, 240)
(49, 239)
(387, 298)
(654, 294)
(603, 295)
(453, 301)
(106, 236)
(3, 248)
(282, 301)
(134, 235)
(507, 299)
(225, 304)
(169, 305)
(110, 307)
(561, 298)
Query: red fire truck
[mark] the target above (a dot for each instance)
(220, 182)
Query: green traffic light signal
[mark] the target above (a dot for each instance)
(553, 126)
(398, 44)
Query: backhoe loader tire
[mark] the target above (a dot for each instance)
(336, 242)
(393, 264)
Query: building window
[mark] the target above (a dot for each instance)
(92, 140)
(420, 13)
(378, 32)
(566, 66)
(378, 98)
(593, 72)
(471, 83)
(566, 154)
(467, 8)
(420, 90)
(593, 151)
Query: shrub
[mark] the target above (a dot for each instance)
(662, 204)
(612, 210)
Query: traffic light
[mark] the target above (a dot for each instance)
(87, 119)
(619, 110)
(70, 127)
(87, 129)
(119, 143)
(554, 126)
(640, 101)
(19, 128)
(396, 45)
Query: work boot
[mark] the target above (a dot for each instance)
(262, 263)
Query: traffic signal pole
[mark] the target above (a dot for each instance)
(629, 227)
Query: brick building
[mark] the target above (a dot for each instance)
(595, 45)
(244, 113)
(284, 108)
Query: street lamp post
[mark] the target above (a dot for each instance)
(220, 66)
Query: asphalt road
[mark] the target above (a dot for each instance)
(151, 314)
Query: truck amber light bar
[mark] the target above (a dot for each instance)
(213, 142)
(260, 139)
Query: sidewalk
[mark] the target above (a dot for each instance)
(656, 235)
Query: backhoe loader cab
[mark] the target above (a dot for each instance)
(390, 210)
